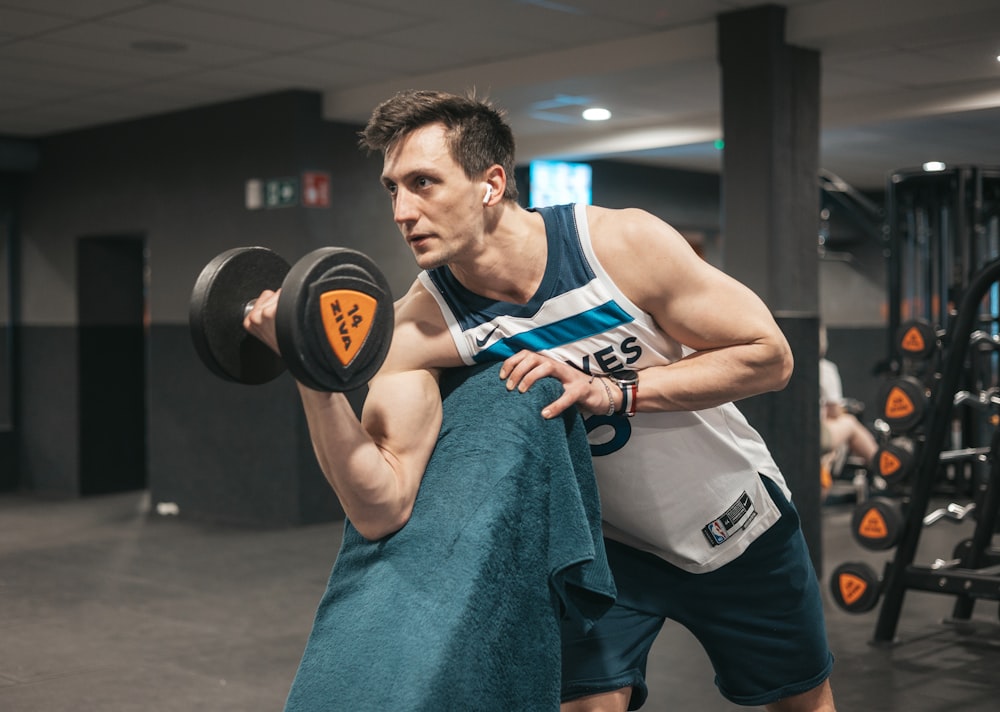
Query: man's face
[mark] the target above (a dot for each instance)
(438, 209)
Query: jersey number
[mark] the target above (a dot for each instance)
(622, 431)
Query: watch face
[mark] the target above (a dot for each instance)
(625, 376)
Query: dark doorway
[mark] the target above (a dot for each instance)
(111, 298)
(9, 295)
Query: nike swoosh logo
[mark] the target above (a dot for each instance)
(481, 342)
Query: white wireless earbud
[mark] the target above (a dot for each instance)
(489, 194)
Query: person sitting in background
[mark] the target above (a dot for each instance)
(839, 428)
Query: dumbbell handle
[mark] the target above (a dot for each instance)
(953, 512)
(982, 399)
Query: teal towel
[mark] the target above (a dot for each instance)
(460, 609)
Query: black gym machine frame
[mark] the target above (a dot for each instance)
(977, 575)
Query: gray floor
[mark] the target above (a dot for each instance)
(106, 607)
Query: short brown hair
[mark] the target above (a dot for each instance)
(478, 135)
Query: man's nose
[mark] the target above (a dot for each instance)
(403, 207)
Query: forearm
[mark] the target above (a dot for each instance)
(833, 410)
(374, 465)
(705, 379)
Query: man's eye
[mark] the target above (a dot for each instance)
(423, 182)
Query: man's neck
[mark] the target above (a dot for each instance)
(512, 264)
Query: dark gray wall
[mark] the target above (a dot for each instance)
(218, 450)
(860, 355)
(688, 200)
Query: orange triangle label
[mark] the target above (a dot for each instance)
(348, 316)
(888, 464)
(851, 587)
(913, 340)
(898, 404)
(873, 525)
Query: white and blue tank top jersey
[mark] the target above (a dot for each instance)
(682, 485)
(562, 311)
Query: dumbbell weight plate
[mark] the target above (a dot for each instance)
(903, 403)
(855, 587)
(878, 523)
(894, 461)
(916, 339)
(334, 319)
(218, 305)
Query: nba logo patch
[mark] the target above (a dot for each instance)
(715, 532)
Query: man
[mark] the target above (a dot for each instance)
(617, 307)
(840, 429)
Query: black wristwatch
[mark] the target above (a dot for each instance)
(628, 382)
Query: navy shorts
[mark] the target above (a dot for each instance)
(764, 608)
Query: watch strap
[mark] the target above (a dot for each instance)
(630, 392)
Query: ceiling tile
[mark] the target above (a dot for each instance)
(17, 23)
(346, 19)
(179, 22)
(74, 8)
(61, 75)
(403, 60)
(64, 58)
(116, 41)
(304, 71)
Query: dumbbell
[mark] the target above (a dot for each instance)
(877, 523)
(895, 460)
(903, 402)
(917, 339)
(855, 586)
(333, 320)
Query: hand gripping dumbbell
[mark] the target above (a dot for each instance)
(333, 322)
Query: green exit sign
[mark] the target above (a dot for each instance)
(281, 192)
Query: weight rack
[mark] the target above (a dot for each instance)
(977, 574)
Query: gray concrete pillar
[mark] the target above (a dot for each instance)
(770, 118)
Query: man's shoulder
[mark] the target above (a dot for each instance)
(418, 303)
(621, 220)
(618, 231)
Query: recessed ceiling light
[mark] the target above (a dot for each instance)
(596, 114)
(934, 166)
(158, 46)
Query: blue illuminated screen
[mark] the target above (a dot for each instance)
(559, 182)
